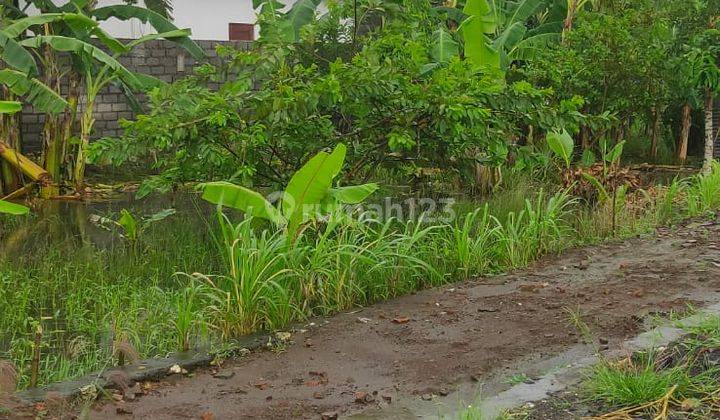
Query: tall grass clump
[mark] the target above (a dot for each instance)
(346, 260)
(538, 229)
(633, 383)
(470, 244)
(641, 211)
(703, 192)
(667, 202)
(257, 274)
(91, 291)
(681, 377)
(331, 266)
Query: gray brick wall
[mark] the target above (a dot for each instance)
(160, 58)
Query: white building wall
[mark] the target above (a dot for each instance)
(208, 19)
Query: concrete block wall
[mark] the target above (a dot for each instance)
(162, 59)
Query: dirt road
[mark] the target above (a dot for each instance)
(424, 346)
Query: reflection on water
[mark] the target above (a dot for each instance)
(72, 225)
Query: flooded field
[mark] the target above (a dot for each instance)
(73, 275)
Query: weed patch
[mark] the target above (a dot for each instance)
(92, 300)
(681, 379)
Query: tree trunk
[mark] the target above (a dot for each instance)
(87, 121)
(585, 137)
(59, 131)
(619, 133)
(684, 133)
(709, 132)
(52, 130)
(487, 178)
(569, 18)
(655, 133)
(51, 159)
(24, 165)
(530, 140)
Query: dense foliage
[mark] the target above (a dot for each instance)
(634, 61)
(414, 87)
(458, 89)
(540, 100)
(398, 101)
(58, 59)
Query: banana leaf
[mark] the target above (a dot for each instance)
(300, 14)
(14, 55)
(81, 48)
(156, 20)
(444, 47)
(7, 207)
(10, 107)
(230, 195)
(310, 185)
(36, 93)
(19, 27)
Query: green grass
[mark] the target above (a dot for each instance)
(93, 293)
(687, 370)
(346, 261)
(470, 413)
(627, 386)
(703, 192)
(86, 298)
(517, 379)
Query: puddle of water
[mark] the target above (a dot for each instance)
(69, 225)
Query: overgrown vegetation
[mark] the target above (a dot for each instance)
(525, 109)
(679, 381)
(88, 298)
(473, 88)
(58, 61)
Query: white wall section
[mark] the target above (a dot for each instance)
(208, 19)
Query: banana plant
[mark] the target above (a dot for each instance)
(11, 107)
(160, 23)
(21, 69)
(610, 157)
(495, 32)
(572, 8)
(162, 7)
(285, 26)
(308, 195)
(443, 49)
(562, 144)
(476, 30)
(71, 28)
(98, 79)
(33, 91)
(44, 95)
(131, 227)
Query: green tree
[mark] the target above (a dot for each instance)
(705, 74)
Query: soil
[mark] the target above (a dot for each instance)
(424, 346)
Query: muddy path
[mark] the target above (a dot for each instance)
(475, 334)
